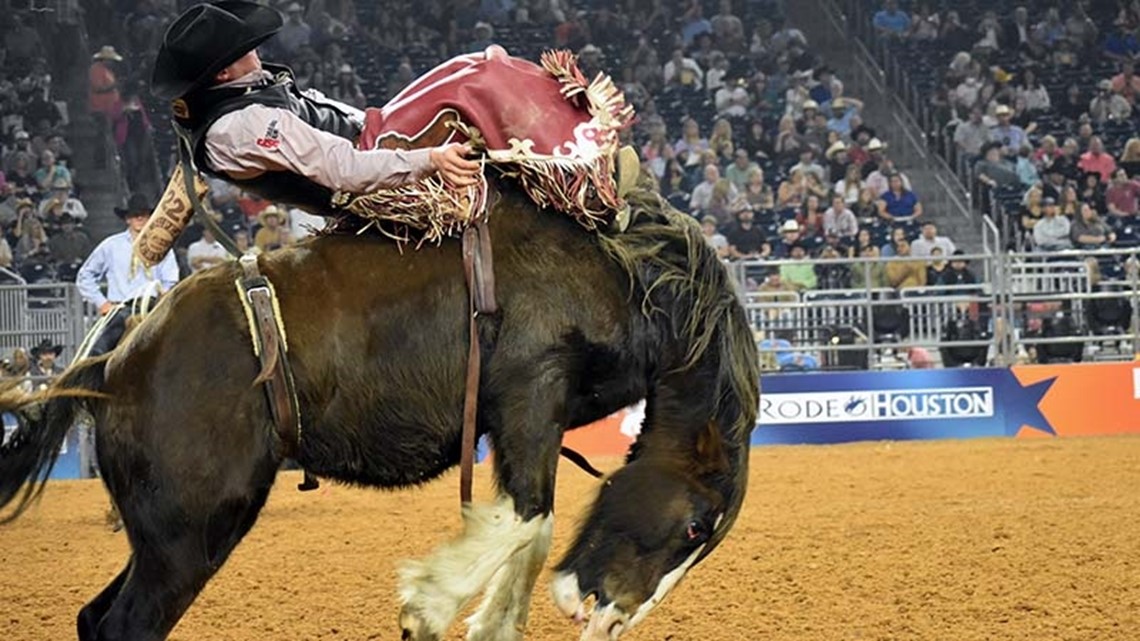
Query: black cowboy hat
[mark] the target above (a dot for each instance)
(137, 204)
(46, 346)
(207, 38)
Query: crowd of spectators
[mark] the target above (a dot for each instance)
(1039, 103)
(41, 215)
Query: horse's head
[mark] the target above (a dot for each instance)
(653, 521)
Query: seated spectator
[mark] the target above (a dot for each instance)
(683, 71)
(790, 236)
(970, 136)
(1088, 231)
(757, 192)
(925, 244)
(786, 356)
(850, 186)
(1122, 196)
(1095, 160)
(807, 165)
(51, 171)
(870, 274)
(206, 252)
(1126, 83)
(702, 201)
(801, 273)
(1092, 192)
(789, 142)
(715, 239)
(899, 203)
(924, 24)
(1054, 185)
(1130, 158)
(866, 209)
(274, 232)
(898, 234)
(810, 217)
(1069, 205)
(1010, 136)
(1033, 92)
(1074, 105)
(993, 170)
(879, 180)
(890, 21)
(31, 239)
(960, 273)
(1121, 44)
(1031, 209)
(837, 161)
(44, 357)
(1108, 105)
(675, 182)
(862, 239)
(902, 274)
(70, 244)
(832, 275)
(1026, 170)
(737, 172)
(845, 111)
(691, 145)
(792, 191)
(724, 199)
(746, 241)
(757, 143)
(59, 202)
(839, 220)
(720, 142)
(1051, 233)
(1046, 154)
(938, 271)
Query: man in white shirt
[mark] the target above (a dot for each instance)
(206, 252)
(110, 261)
(930, 239)
(681, 70)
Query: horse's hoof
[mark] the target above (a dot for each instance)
(413, 627)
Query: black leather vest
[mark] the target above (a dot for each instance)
(202, 109)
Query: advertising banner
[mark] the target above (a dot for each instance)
(1053, 400)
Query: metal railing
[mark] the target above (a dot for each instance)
(32, 313)
(1021, 302)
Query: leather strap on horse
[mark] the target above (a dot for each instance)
(186, 157)
(269, 344)
(478, 271)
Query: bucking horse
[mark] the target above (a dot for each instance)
(588, 323)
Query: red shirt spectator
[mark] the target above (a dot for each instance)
(1123, 195)
(104, 84)
(1126, 83)
(1096, 161)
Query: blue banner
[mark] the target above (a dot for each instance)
(900, 405)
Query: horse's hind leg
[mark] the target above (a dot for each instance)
(504, 544)
(172, 562)
(96, 609)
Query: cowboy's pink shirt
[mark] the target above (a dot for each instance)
(255, 139)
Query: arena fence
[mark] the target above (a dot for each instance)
(1026, 307)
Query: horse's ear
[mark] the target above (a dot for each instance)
(710, 450)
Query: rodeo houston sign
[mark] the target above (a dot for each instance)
(917, 404)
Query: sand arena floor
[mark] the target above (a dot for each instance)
(956, 541)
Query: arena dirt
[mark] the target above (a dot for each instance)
(956, 541)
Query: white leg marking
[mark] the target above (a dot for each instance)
(434, 589)
(503, 614)
(568, 595)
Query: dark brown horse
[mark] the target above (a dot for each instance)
(588, 324)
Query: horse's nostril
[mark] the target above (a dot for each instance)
(406, 635)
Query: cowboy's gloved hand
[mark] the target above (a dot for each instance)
(452, 164)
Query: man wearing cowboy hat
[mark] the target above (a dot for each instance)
(1010, 136)
(104, 84)
(252, 126)
(44, 358)
(111, 262)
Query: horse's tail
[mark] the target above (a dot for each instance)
(44, 418)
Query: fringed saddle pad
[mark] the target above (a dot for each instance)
(547, 126)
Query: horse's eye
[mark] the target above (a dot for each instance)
(697, 532)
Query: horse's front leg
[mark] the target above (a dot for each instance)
(504, 544)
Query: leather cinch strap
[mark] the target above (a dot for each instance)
(269, 344)
(478, 271)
